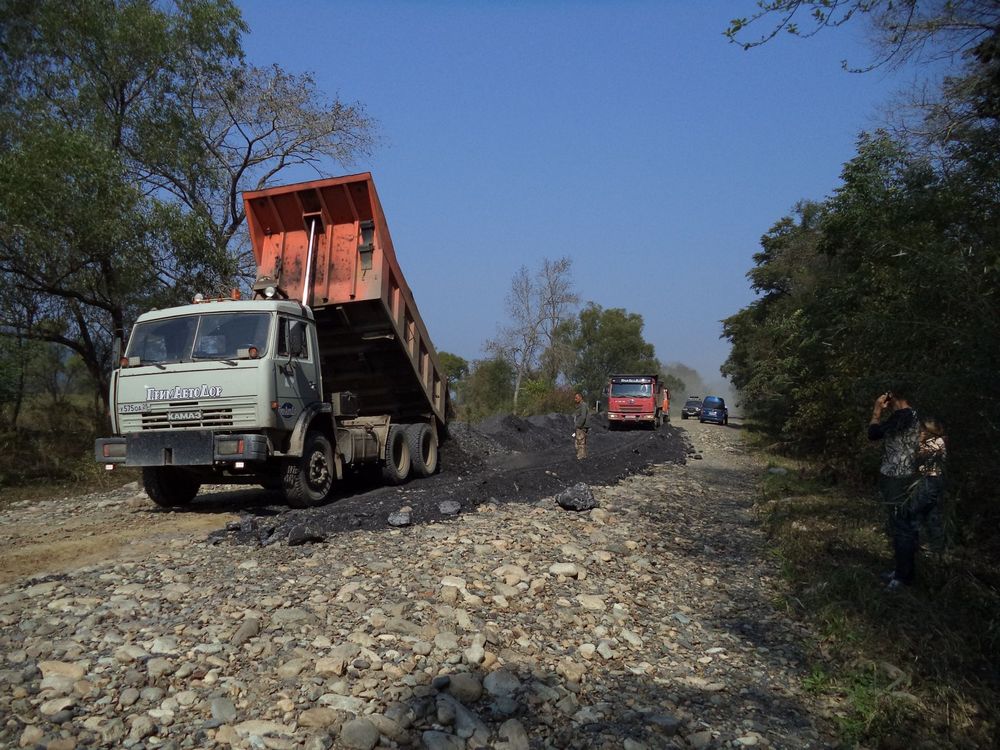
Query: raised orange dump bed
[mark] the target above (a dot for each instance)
(326, 243)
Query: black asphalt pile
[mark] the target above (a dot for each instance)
(503, 459)
(526, 435)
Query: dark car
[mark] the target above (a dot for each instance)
(692, 408)
(713, 409)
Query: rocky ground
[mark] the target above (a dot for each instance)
(508, 622)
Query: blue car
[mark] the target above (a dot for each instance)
(713, 409)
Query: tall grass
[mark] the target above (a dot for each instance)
(51, 451)
(918, 667)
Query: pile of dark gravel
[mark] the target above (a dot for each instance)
(503, 459)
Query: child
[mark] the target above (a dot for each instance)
(929, 492)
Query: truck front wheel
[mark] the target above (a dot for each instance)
(168, 486)
(423, 447)
(309, 479)
(396, 468)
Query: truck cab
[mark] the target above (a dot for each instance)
(634, 399)
(217, 388)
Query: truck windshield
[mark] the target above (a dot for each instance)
(630, 390)
(208, 336)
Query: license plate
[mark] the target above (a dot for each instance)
(185, 416)
(131, 408)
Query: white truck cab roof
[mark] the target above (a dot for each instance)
(289, 307)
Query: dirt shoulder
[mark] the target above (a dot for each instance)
(55, 536)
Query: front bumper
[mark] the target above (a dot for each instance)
(620, 417)
(181, 448)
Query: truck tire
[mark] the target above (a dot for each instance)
(396, 467)
(423, 446)
(168, 486)
(309, 479)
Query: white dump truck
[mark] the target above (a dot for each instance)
(328, 368)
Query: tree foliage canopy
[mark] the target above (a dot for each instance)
(893, 279)
(128, 130)
(606, 341)
(488, 389)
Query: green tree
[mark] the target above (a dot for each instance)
(19, 360)
(894, 278)
(770, 342)
(607, 341)
(455, 367)
(129, 129)
(539, 396)
(80, 251)
(487, 390)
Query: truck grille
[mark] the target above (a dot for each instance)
(186, 415)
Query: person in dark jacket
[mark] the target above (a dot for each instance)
(899, 434)
(582, 425)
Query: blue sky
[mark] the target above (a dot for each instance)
(630, 136)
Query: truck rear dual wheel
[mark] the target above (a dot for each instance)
(308, 480)
(423, 445)
(168, 486)
(396, 468)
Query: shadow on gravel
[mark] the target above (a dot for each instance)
(504, 459)
(260, 502)
(624, 707)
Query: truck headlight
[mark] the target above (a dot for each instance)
(230, 447)
(114, 450)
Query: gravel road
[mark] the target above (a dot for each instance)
(507, 622)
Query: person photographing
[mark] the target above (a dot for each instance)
(899, 433)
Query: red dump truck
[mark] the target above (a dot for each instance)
(326, 369)
(635, 399)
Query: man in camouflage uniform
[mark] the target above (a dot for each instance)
(582, 424)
